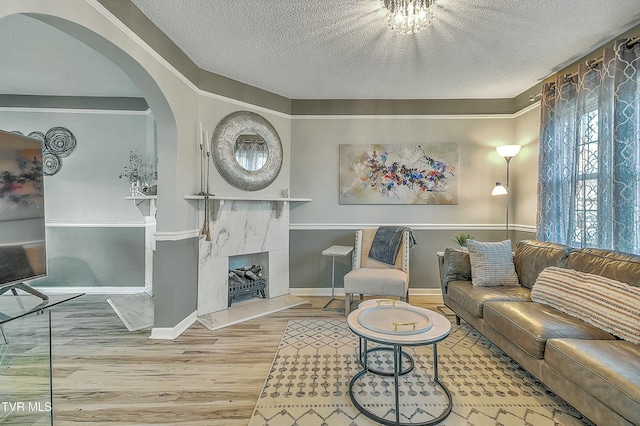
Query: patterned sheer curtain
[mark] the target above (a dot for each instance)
(251, 152)
(589, 160)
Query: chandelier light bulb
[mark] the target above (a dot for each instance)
(408, 16)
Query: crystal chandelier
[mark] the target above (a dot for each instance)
(408, 16)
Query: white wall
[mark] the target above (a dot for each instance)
(211, 111)
(524, 167)
(323, 222)
(315, 162)
(87, 189)
(311, 151)
(94, 236)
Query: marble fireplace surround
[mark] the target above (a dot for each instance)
(242, 227)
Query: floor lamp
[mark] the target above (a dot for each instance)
(507, 152)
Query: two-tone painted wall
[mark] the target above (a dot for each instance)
(180, 96)
(324, 222)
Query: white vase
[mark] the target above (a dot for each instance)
(135, 188)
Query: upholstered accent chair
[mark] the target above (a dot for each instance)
(369, 276)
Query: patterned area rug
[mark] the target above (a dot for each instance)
(309, 383)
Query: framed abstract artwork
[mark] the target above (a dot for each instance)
(399, 174)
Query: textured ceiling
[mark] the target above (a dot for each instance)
(343, 50)
(333, 49)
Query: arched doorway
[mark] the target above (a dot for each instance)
(165, 122)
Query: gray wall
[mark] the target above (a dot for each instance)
(94, 236)
(176, 262)
(315, 161)
(314, 158)
(94, 257)
(311, 272)
(86, 197)
(87, 188)
(323, 222)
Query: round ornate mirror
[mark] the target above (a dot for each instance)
(247, 150)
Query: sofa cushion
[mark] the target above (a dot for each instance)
(388, 282)
(618, 266)
(529, 325)
(605, 303)
(607, 370)
(532, 256)
(492, 263)
(456, 266)
(472, 298)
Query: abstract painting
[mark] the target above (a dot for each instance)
(399, 174)
(21, 183)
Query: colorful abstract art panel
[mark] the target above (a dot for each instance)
(21, 185)
(399, 174)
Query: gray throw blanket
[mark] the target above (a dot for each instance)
(386, 243)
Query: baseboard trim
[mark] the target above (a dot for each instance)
(433, 292)
(172, 333)
(326, 292)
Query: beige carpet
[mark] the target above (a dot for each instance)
(309, 381)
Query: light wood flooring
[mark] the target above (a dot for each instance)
(104, 374)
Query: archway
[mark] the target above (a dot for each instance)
(165, 121)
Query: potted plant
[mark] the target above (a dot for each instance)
(461, 239)
(139, 173)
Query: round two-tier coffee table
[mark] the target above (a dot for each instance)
(395, 326)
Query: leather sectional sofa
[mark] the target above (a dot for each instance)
(593, 370)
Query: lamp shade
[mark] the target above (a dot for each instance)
(499, 189)
(508, 150)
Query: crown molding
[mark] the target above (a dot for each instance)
(141, 30)
(75, 104)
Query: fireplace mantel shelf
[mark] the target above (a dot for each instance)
(217, 201)
(243, 198)
(141, 197)
(145, 203)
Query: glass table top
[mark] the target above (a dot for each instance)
(12, 307)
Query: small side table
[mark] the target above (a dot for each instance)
(382, 332)
(334, 251)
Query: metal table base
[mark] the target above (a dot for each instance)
(363, 352)
(397, 361)
(334, 251)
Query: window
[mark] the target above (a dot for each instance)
(589, 159)
(585, 208)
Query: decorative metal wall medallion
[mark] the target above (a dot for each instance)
(223, 148)
(36, 135)
(51, 163)
(60, 141)
(57, 143)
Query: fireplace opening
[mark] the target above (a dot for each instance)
(246, 281)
